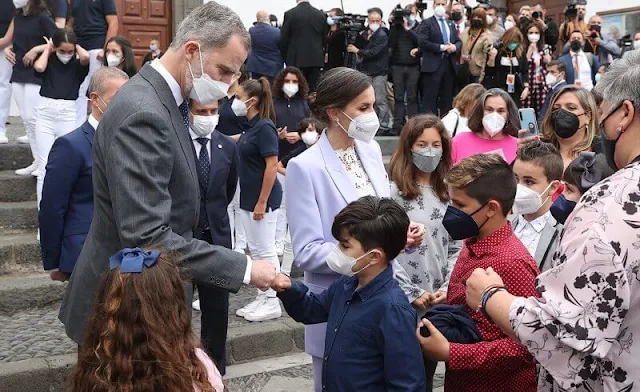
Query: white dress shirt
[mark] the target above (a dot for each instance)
(198, 146)
(177, 95)
(93, 122)
(584, 76)
(529, 233)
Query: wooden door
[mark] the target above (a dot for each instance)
(144, 20)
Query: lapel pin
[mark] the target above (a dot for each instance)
(219, 145)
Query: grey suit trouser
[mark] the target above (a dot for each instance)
(382, 104)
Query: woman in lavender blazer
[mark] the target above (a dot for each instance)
(334, 172)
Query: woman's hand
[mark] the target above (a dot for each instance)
(292, 137)
(10, 55)
(524, 94)
(259, 211)
(478, 282)
(522, 140)
(29, 58)
(100, 55)
(282, 133)
(436, 346)
(415, 235)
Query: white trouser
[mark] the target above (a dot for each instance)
(6, 69)
(54, 118)
(27, 96)
(81, 102)
(287, 257)
(261, 237)
(281, 228)
(238, 237)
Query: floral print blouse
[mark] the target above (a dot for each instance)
(356, 172)
(585, 330)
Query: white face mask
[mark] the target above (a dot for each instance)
(290, 89)
(310, 138)
(551, 80)
(528, 201)
(493, 123)
(153, 47)
(533, 38)
(330, 20)
(20, 3)
(374, 27)
(204, 125)
(343, 264)
(636, 44)
(439, 11)
(113, 60)
(206, 90)
(64, 58)
(363, 127)
(509, 25)
(239, 107)
(490, 20)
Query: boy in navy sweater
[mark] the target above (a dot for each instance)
(371, 343)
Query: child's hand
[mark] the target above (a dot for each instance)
(439, 297)
(436, 346)
(281, 283)
(422, 302)
(415, 235)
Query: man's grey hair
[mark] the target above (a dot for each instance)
(622, 80)
(212, 25)
(98, 81)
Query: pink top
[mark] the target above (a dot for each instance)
(466, 144)
(214, 375)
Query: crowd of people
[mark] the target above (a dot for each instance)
(506, 251)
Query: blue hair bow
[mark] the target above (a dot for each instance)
(132, 259)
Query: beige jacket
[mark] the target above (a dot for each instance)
(478, 57)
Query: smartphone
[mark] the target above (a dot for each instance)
(528, 121)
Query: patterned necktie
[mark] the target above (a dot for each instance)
(184, 110)
(204, 166)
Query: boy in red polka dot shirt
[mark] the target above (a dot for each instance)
(482, 189)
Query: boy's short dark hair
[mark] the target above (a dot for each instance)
(544, 155)
(305, 122)
(485, 177)
(376, 223)
(559, 64)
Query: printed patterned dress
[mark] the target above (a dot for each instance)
(537, 85)
(585, 330)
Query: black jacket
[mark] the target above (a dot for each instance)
(401, 42)
(336, 49)
(552, 33)
(303, 36)
(374, 52)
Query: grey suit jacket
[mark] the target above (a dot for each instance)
(146, 193)
(548, 243)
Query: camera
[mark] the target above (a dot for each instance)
(352, 25)
(536, 15)
(421, 5)
(571, 12)
(398, 14)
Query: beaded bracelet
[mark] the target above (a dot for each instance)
(485, 298)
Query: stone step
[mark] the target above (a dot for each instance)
(16, 188)
(18, 215)
(20, 292)
(388, 144)
(19, 251)
(15, 156)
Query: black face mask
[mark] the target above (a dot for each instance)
(524, 21)
(461, 225)
(609, 145)
(575, 46)
(565, 124)
(595, 28)
(456, 16)
(476, 24)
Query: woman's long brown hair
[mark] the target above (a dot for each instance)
(404, 172)
(139, 336)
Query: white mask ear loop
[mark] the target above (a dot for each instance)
(545, 191)
(361, 257)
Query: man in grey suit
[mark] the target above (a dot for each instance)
(146, 190)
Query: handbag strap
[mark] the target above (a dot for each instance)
(455, 128)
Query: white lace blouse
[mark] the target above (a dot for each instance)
(356, 172)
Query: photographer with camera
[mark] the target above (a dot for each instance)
(336, 49)
(573, 20)
(439, 43)
(603, 46)
(372, 47)
(403, 45)
(630, 43)
(550, 27)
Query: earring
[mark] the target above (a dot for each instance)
(619, 128)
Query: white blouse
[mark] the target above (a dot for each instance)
(356, 172)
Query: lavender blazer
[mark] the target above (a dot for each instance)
(323, 189)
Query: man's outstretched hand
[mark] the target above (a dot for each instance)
(262, 274)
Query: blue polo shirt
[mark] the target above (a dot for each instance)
(89, 21)
(371, 342)
(260, 140)
(28, 31)
(229, 124)
(289, 112)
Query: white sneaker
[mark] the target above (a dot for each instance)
(196, 305)
(280, 249)
(4, 139)
(268, 310)
(251, 306)
(29, 170)
(23, 139)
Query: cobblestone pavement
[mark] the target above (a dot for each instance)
(37, 333)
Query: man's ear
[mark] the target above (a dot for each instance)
(191, 50)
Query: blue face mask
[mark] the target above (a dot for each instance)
(512, 46)
(562, 208)
(461, 225)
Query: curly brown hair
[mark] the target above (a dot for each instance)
(278, 81)
(139, 336)
(404, 172)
